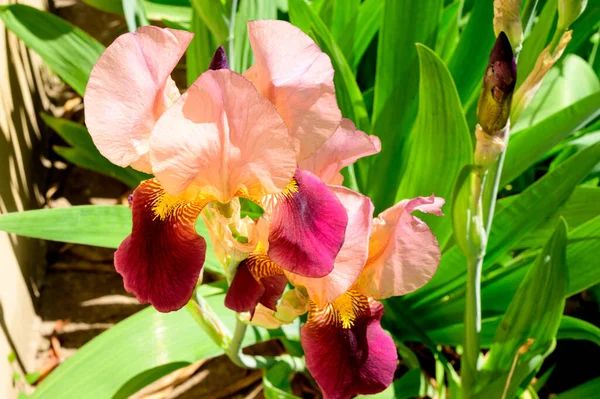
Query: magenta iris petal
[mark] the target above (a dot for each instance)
(162, 258)
(308, 228)
(347, 362)
(257, 280)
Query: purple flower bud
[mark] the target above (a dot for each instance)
(498, 85)
(219, 60)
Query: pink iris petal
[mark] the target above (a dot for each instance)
(347, 362)
(222, 138)
(129, 89)
(403, 253)
(162, 258)
(257, 280)
(296, 76)
(344, 148)
(351, 259)
(308, 228)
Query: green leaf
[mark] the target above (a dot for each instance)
(67, 50)
(461, 198)
(349, 96)
(363, 28)
(528, 146)
(536, 41)
(587, 390)
(344, 19)
(102, 226)
(138, 351)
(135, 14)
(201, 49)
(529, 327)
(276, 382)
(582, 257)
(546, 195)
(177, 11)
(571, 80)
(212, 13)
(405, 22)
(453, 335)
(470, 58)
(85, 153)
(582, 206)
(510, 224)
(440, 143)
(448, 36)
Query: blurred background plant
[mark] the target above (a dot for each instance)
(521, 236)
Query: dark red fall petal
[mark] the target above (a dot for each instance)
(219, 60)
(308, 228)
(162, 258)
(346, 362)
(257, 280)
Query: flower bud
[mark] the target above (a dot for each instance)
(219, 60)
(507, 18)
(488, 147)
(499, 81)
(569, 11)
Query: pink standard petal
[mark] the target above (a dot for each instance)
(351, 259)
(308, 228)
(403, 253)
(129, 89)
(222, 138)
(344, 148)
(296, 76)
(348, 362)
(162, 258)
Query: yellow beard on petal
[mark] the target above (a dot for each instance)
(342, 312)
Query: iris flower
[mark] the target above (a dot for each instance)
(228, 136)
(347, 351)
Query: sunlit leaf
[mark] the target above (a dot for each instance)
(67, 50)
(138, 351)
(103, 226)
(440, 142)
(405, 22)
(528, 329)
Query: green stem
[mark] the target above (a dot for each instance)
(209, 322)
(478, 239)
(230, 39)
(527, 15)
(234, 352)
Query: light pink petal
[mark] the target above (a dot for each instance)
(222, 138)
(296, 76)
(351, 259)
(129, 89)
(344, 148)
(403, 252)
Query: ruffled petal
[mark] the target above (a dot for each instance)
(307, 228)
(257, 280)
(162, 258)
(296, 76)
(129, 89)
(403, 253)
(351, 259)
(222, 138)
(360, 358)
(344, 148)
